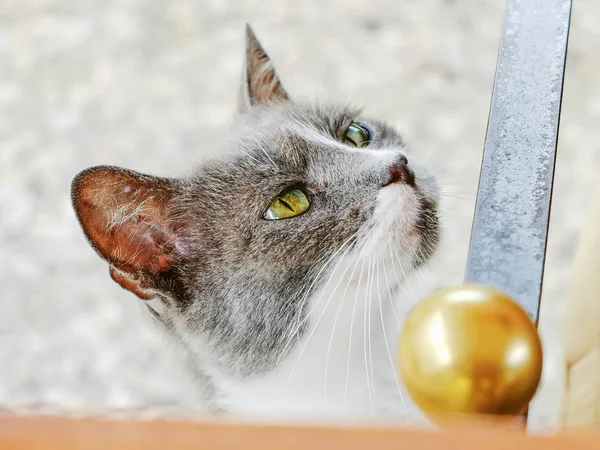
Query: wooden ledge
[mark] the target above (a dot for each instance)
(53, 433)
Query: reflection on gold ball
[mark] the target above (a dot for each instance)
(470, 350)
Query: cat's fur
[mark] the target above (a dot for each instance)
(293, 316)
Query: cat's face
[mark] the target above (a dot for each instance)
(231, 257)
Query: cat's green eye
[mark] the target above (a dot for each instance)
(289, 203)
(357, 135)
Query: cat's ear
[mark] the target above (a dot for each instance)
(129, 220)
(260, 83)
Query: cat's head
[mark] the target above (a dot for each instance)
(231, 258)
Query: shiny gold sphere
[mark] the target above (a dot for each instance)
(470, 350)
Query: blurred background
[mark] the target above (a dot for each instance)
(151, 85)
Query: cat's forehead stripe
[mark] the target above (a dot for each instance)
(313, 135)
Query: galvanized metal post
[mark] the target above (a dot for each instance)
(510, 227)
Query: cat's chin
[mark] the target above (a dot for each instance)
(406, 218)
(398, 209)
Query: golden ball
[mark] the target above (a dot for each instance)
(470, 350)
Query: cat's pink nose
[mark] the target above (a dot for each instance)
(400, 173)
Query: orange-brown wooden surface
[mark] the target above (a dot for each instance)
(65, 434)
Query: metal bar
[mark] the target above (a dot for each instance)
(510, 227)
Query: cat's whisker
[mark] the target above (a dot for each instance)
(388, 284)
(417, 273)
(435, 170)
(443, 210)
(312, 332)
(337, 314)
(294, 330)
(297, 323)
(446, 164)
(412, 291)
(365, 334)
(385, 339)
(413, 298)
(308, 292)
(362, 268)
(370, 304)
(449, 186)
(459, 195)
(403, 290)
(447, 213)
(444, 183)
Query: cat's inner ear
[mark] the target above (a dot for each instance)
(129, 219)
(260, 83)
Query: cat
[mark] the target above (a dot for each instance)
(277, 263)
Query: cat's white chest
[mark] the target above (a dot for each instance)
(344, 366)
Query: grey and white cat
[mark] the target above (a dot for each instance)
(277, 265)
